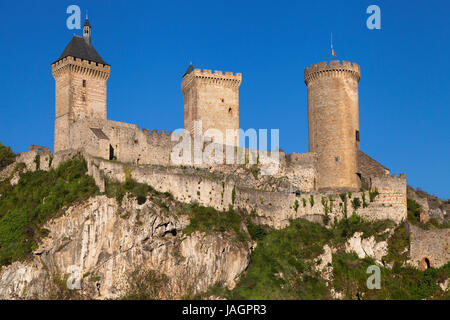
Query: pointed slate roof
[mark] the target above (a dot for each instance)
(86, 22)
(189, 70)
(79, 48)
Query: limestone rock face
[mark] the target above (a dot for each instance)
(367, 247)
(323, 263)
(98, 244)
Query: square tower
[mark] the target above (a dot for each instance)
(80, 86)
(213, 99)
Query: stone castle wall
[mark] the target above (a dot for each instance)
(212, 98)
(80, 93)
(274, 208)
(433, 245)
(333, 122)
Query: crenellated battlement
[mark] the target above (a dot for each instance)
(332, 68)
(229, 79)
(85, 67)
(155, 133)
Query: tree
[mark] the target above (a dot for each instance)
(6, 156)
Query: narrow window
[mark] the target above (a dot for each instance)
(84, 83)
(357, 135)
(111, 153)
(336, 159)
(229, 110)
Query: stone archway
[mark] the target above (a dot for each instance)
(425, 264)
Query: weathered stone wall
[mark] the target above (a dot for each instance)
(301, 170)
(433, 245)
(212, 98)
(368, 167)
(333, 122)
(274, 208)
(80, 93)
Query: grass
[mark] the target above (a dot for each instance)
(118, 190)
(414, 210)
(207, 219)
(345, 228)
(6, 156)
(279, 267)
(398, 247)
(38, 197)
(145, 285)
(401, 283)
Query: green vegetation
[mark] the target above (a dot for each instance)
(38, 197)
(398, 247)
(311, 200)
(254, 170)
(356, 203)
(326, 209)
(118, 190)
(280, 266)
(37, 161)
(146, 285)
(207, 219)
(296, 205)
(364, 203)
(6, 156)
(414, 210)
(373, 194)
(404, 283)
(233, 195)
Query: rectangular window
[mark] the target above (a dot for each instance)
(357, 135)
(84, 83)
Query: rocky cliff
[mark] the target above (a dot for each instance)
(63, 238)
(98, 244)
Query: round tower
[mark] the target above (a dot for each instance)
(333, 122)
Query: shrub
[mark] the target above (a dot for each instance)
(38, 197)
(280, 266)
(311, 200)
(207, 219)
(233, 195)
(398, 246)
(296, 205)
(356, 203)
(146, 285)
(414, 210)
(254, 170)
(6, 156)
(373, 194)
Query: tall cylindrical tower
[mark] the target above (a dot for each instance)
(333, 122)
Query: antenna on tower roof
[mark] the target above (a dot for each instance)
(333, 54)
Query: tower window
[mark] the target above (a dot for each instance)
(357, 135)
(84, 83)
(336, 159)
(229, 110)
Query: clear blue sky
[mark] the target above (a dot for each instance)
(404, 89)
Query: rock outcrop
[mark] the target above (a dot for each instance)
(98, 243)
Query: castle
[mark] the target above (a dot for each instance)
(334, 161)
